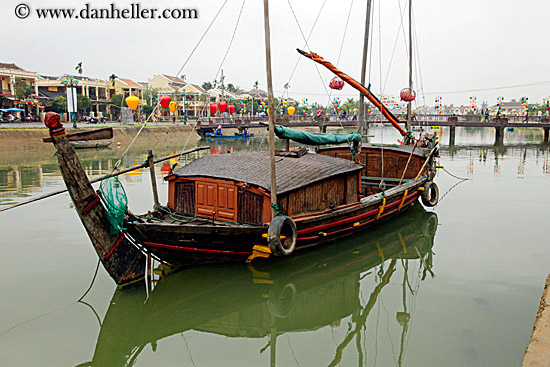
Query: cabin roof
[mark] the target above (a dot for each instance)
(253, 168)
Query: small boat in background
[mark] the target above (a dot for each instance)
(87, 144)
(236, 136)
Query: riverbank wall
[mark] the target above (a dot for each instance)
(21, 145)
(537, 353)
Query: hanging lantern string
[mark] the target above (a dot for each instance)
(307, 45)
(232, 38)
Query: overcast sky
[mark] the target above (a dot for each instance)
(486, 45)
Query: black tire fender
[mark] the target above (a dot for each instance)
(281, 300)
(282, 235)
(430, 195)
(429, 227)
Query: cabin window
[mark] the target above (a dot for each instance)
(250, 207)
(185, 197)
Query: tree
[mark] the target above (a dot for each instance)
(151, 96)
(78, 68)
(232, 88)
(83, 102)
(147, 109)
(58, 104)
(118, 99)
(22, 89)
(484, 105)
(350, 105)
(207, 85)
(112, 78)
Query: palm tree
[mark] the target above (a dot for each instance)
(78, 68)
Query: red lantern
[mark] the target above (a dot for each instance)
(222, 106)
(165, 101)
(407, 95)
(213, 109)
(166, 168)
(231, 108)
(336, 83)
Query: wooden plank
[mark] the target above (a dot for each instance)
(99, 134)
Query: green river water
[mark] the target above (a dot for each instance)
(454, 285)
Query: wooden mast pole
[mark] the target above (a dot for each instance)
(362, 120)
(151, 161)
(409, 104)
(271, 105)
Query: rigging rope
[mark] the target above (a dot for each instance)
(135, 137)
(232, 38)
(202, 37)
(401, 28)
(307, 46)
(340, 54)
(308, 37)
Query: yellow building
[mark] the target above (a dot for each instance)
(9, 74)
(126, 87)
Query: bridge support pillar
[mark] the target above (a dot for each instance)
(546, 135)
(499, 135)
(452, 135)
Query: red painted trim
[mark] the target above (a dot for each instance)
(117, 243)
(89, 207)
(191, 249)
(351, 219)
(408, 201)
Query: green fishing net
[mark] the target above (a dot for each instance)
(116, 202)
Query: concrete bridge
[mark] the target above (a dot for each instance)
(323, 122)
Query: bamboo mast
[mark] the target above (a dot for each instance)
(362, 121)
(409, 113)
(271, 105)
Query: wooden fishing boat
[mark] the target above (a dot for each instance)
(236, 136)
(239, 206)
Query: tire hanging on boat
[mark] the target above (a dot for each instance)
(430, 195)
(282, 235)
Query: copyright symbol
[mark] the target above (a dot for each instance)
(22, 11)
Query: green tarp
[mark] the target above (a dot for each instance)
(315, 138)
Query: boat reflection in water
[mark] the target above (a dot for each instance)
(304, 293)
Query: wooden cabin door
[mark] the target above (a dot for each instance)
(206, 198)
(227, 202)
(216, 199)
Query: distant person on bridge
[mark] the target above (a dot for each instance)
(526, 118)
(498, 116)
(539, 114)
(486, 115)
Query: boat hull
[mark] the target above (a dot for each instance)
(205, 243)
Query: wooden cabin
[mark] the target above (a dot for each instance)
(235, 187)
(394, 159)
